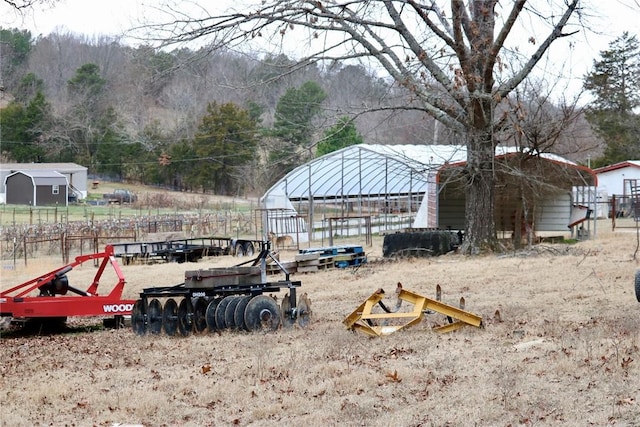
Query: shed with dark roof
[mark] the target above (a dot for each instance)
(76, 176)
(36, 188)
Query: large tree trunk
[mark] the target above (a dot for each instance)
(480, 233)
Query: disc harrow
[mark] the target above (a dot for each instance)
(236, 298)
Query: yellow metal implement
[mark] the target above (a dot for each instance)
(377, 324)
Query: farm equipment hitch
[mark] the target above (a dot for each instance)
(51, 301)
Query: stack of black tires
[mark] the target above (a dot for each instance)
(420, 243)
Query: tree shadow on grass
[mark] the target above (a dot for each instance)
(46, 327)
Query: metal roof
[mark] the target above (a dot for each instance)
(620, 165)
(60, 167)
(368, 169)
(374, 169)
(43, 177)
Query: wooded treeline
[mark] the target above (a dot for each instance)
(221, 121)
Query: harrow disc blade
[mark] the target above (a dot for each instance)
(288, 318)
(220, 310)
(211, 314)
(304, 310)
(154, 316)
(137, 318)
(185, 317)
(238, 313)
(262, 313)
(170, 317)
(199, 313)
(229, 318)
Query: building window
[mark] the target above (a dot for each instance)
(55, 189)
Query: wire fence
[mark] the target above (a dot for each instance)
(28, 242)
(624, 211)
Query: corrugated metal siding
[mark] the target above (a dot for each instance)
(555, 213)
(451, 208)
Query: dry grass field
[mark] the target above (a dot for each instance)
(565, 353)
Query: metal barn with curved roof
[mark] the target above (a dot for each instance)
(388, 187)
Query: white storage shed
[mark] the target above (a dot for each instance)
(616, 179)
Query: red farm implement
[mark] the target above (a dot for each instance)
(50, 296)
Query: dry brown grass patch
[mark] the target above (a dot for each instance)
(566, 352)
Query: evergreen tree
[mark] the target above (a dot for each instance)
(295, 111)
(225, 143)
(293, 125)
(90, 129)
(27, 88)
(24, 129)
(341, 135)
(15, 47)
(615, 84)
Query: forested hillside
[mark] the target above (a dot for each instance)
(218, 121)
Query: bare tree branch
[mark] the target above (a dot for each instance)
(556, 33)
(449, 64)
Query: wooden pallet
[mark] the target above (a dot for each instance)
(316, 259)
(347, 260)
(309, 262)
(290, 266)
(334, 250)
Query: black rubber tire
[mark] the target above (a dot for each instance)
(137, 318)
(220, 310)
(154, 316)
(185, 317)
(200, 313)
(249, 250)
(419, 244)
(238, 313)
(229, 319)
(211, 314)
(637, 285)
(262, 314)
(170, 317)
(239, 250)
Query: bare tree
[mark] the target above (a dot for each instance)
(536, 123)
(23, 5)
(452, 61)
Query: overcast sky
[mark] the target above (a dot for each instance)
(114, 17)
